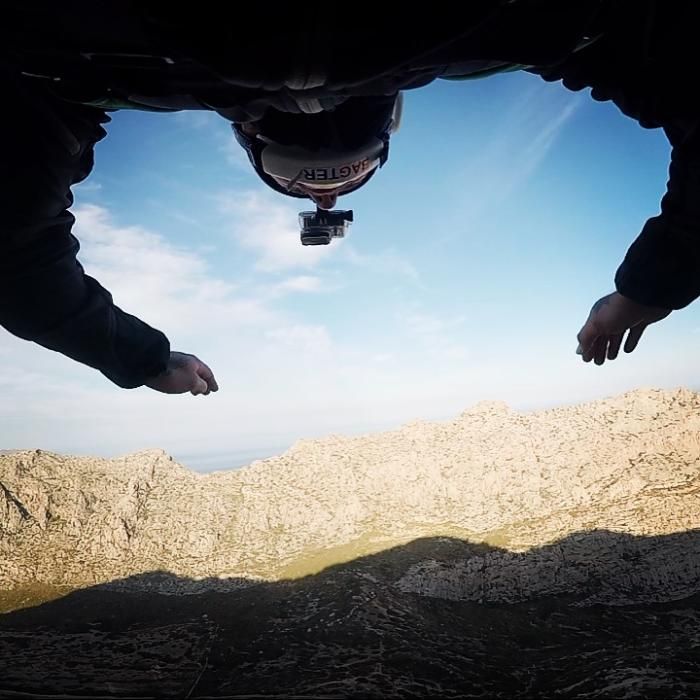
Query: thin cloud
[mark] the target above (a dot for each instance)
(219, 129)
(152, 278)
(267, 227)
(522, 142)
(435, 334)
(199, 119)
(545, 138)
(386, 262)
(300, 283)
(303, 338)
(87, 187)
(234, 153)
(170, 286)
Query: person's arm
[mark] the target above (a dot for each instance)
(45, 295)
(662, 266)
(661, 270)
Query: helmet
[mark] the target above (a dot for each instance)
(335, 151)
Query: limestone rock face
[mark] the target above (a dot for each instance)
(502, 553)
(515, 480)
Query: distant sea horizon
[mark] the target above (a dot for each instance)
(225, 460)
(201, 462)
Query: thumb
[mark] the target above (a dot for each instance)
(587, 337)
(199, 386)
(633, 337)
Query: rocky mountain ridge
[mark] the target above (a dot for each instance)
(500, 554)
(514, 480)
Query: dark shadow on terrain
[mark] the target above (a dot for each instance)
(596, 614)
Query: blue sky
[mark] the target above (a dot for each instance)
(505, 208)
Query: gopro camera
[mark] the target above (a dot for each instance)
(320, 227)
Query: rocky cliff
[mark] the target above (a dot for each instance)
(555, 552)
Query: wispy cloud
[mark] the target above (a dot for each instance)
(299, 283)
(219, 129)
(437, 334)
(544, 139)
(149, 276)
(196, 119)
(306, 339)
(386, 262)
(268, 228)
(522, 141)
(88, 186)
(233, 152)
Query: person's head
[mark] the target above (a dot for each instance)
(324, 155)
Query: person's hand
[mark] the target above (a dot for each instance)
(610, 318)
(185, 373)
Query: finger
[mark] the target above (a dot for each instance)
(633, 337)
(614, 346)
(208, 376)
(600, 349)
(586, 340)
(589, 353)
(199, 386)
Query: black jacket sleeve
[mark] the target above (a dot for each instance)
(45, 295)
(644, 58)
(662, 267)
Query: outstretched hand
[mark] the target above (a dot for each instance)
(610, 318)
(184, 373)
